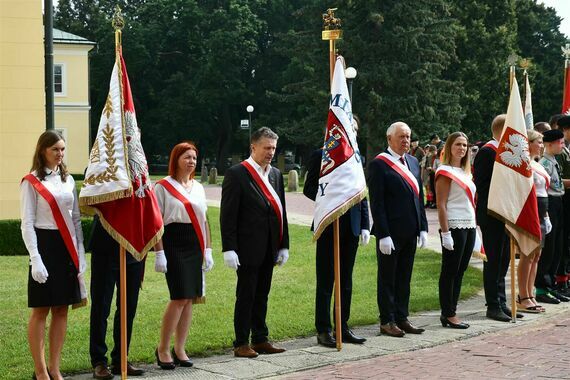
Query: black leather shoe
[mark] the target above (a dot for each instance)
(163, 365)
(408, 328)
(326, 339)
(507, 311)
(560, 296)
(547, 298)
(498, 315)
(181, 363)
(447, 323)
(131, 370)
(101, 372)
(349, 337)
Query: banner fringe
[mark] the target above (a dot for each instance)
(339, 212)
(108, 197)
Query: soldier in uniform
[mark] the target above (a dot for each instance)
(563, 160)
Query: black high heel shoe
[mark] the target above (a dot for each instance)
(446, 323)
(163, 365)
(181, 363)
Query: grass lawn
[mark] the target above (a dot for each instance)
(291, 304)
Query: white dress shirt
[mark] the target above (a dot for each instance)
(394, 154)
(263, 173)
(36, 212)
(173, 211)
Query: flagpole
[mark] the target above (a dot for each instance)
(331, 33)
(118, 24)
(566, 55)
(512, 60)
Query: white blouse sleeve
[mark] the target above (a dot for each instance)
(28, 205)
(76, 217)
(159, 191)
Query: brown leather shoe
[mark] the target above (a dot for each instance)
(267, 348)
(391, 329)
(409, 328)
(131, 370)
(245, 352)
(101, 372)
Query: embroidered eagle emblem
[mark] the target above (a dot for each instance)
(516, 151)
(136, 157)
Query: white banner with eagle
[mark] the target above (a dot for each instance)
(341, 180)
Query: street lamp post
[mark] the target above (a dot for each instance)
(249, 110)
(350, 73)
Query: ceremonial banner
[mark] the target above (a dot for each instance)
(341, 183)
(514, 196)
(117, 185)
(528, 117)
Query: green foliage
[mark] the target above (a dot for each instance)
(212, 326)
(11, 243)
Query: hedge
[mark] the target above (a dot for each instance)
(11, 243)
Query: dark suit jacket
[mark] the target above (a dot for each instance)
(396, 210)
(482, 172)
(248, 223)
(358, 214)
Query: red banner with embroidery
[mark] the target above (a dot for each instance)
(57, 215)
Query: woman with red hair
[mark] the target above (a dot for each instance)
(184, 253)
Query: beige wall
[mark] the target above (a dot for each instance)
(22, 114)
(75, 127)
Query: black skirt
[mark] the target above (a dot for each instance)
(61, 287)
(183, 262)
(542, 210)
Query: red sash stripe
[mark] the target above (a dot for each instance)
(492, 144)
(461, 184)
(255, 175)
(546, 178)
(58, 217)
(188, 206)
(403, 174)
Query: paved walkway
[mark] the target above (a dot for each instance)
(534, 347)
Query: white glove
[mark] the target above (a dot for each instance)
(208, 260)
(282, 256)
(39, 271)
(386, 245)
(447, 240)
(231, 259)
(82, 261)
(364, 237)
(547, 225)
(422, 240)
(160, 262)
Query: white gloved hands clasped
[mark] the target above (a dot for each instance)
(364, 237)
(231, 259)
(547, 225)
(39, 271)
(447, 240)
(282, 256)
(160, 262)
(208, 260)
(386, 245)
(422, 239)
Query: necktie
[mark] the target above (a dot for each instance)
(403, 161)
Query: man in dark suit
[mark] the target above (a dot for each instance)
(495, 239)
(104, 278)
(353, 224)
(396, 202)
(255, 237)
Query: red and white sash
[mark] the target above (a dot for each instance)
(269, 193)
(198, 220)
(459, 178)
(493, 144)
(402, 170)
(62, 219)
(539, 169)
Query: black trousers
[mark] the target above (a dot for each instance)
(453, 265)
(394, 275)
(552, 251)
(564, 266)
(325, 274)
(104, 279)
(252, 291)
(497, 249)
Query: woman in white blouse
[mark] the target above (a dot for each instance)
(184, 252)
(51, 229)
(526, 270)
(456, 212)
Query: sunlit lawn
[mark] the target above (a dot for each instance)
(291, 304)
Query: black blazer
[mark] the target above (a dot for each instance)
(248, 223)
(396, 210)
(482, 173)
(358, 214)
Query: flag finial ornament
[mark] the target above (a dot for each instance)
(525, 64)
(331, 26)
(566, 51)
(118, 20)
(512, 59)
